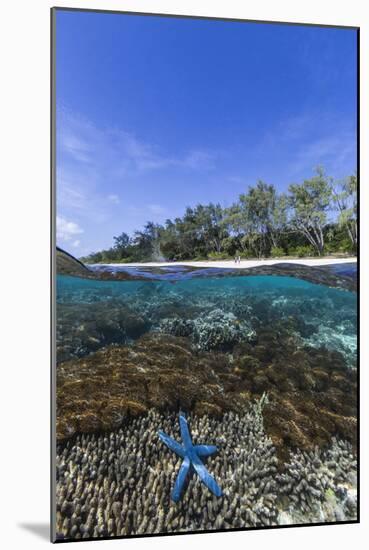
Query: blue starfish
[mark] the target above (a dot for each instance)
(191, 457)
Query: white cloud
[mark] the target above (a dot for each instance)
(96, 169)
(333, 152)
(156, 209)
(69, 195)
(114, 199)
(75, 146)
(76, 243)
(118, 152)
(200, 160)
(307, 139)
(66, 230)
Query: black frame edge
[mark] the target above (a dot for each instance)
(206, 17)
(358, 266)
(52, 277)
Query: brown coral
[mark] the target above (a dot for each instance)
(312, 393)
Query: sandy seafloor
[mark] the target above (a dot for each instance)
(280, 358)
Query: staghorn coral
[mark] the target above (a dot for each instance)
(119, 483)
(319, 485)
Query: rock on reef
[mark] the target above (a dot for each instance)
(66, 264)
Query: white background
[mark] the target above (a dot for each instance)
(24, 234)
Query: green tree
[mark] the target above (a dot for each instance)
(310, 202)
(259, 223)
(210, 226)
(345, 199)
(121, 245)
(170, 240)
(147, 242)
(258, 218)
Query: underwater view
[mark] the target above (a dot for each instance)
(204, 358)
(257, 372)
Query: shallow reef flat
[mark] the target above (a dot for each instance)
(312, 393)
(215, 313)
(118, 483)
(263, 366)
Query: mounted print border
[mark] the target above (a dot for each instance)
(204, 274)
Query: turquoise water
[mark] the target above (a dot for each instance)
(182, 272)
(215, 313)
(80, 289)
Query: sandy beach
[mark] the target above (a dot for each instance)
(244, 264)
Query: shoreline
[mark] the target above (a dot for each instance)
(244, 264)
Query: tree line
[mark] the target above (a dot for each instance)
(315, 217)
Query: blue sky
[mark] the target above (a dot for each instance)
(154, 114)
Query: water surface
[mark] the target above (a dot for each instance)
(215, 312)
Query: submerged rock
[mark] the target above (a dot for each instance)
(66, 264)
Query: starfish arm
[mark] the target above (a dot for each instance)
(205, 477)
(205, 450)
(181, 478)
(172, 444)
(185, 434)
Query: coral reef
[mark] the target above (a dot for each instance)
(119, 483)
(98, 391)
(311, 391)
(131, 355)
(216, 331)
(337, 337)
(82, 328)
(216, 313)
(319, 485)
